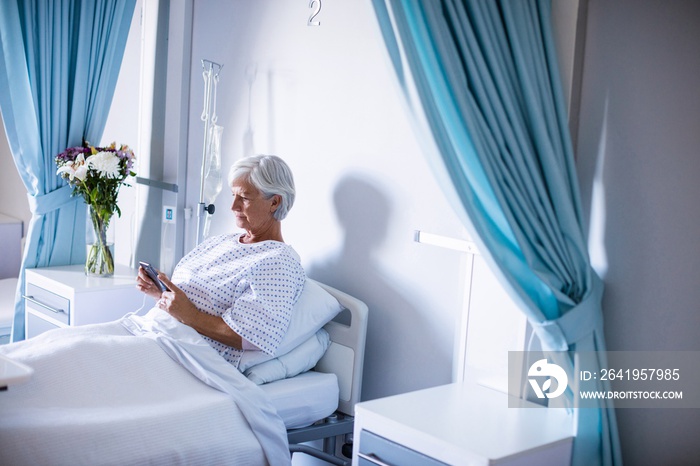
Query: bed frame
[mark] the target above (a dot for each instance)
(344, 358)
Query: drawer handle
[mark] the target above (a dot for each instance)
(45, 306)
(372, 458)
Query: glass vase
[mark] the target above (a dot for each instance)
(100, 246)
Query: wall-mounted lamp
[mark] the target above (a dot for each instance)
(445, 242)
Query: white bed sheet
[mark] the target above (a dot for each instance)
(99, 395)
(304, 399)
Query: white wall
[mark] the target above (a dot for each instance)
(325, 99)
(639, 126)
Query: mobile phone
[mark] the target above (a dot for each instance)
(153, 275)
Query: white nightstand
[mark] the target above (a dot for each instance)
(64, 296)
(459, 424)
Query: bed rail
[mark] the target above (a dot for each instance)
(345, 356)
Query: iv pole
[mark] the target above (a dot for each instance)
(210, 73)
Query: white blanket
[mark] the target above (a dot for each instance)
(102, 394)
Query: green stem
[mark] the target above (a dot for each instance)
(99, 258)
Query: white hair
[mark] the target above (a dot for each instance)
(270, 175)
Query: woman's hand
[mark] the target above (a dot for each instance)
(176, 303)
(146, 285)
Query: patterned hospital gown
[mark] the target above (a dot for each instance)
(252, 286)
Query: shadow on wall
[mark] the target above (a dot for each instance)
(398, 353)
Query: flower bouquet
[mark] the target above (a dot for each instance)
(97, 173)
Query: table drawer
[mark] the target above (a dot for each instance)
(376, 450)
(36, 325)
(45, 302)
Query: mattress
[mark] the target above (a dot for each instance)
(302, 400)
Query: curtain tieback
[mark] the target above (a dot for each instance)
(44, 203)
(576, 324)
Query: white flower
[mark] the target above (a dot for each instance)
(81, 172)
(107, 163)
(74, 169)
(68, 169)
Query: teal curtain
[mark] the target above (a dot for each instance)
(488, 88)
(59, 63)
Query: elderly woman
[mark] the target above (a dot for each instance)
(238, 290)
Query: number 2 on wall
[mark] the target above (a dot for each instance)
(315, 5)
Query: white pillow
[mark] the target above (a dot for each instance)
(300, 359)
(314, 308)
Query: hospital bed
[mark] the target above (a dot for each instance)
(100, 396)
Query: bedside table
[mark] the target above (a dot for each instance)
(64, 296)
(459, 424)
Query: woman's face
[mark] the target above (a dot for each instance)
(253, 212)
